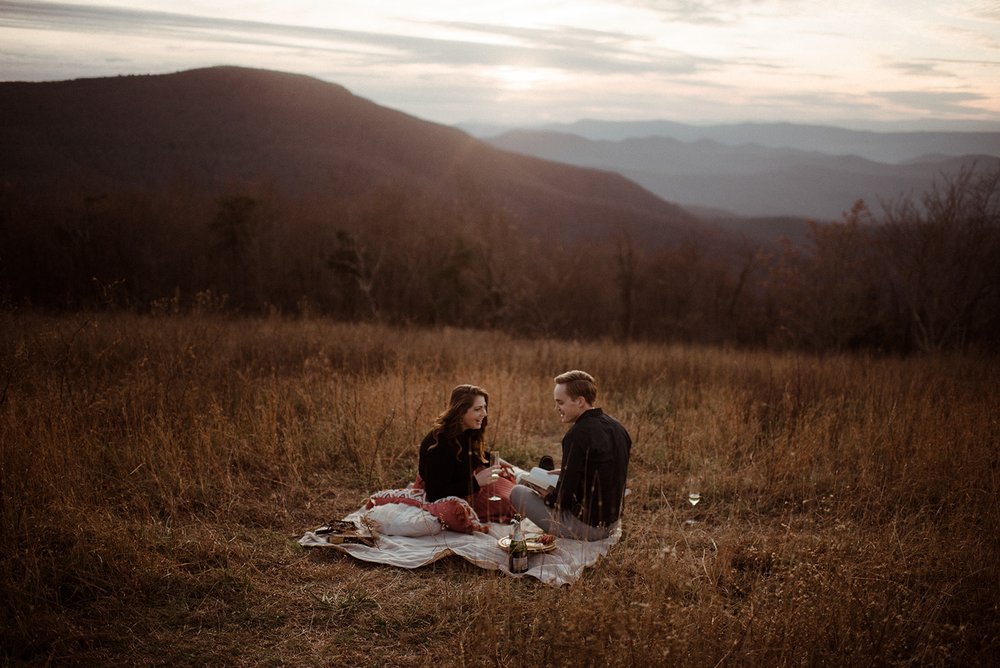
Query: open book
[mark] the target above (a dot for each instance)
(539, 479)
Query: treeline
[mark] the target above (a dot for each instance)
(920, 274)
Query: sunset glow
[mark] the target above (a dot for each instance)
(848, 61)
(520, 78)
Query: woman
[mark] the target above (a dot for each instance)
(454, 462)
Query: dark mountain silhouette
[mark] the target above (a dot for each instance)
(210, 128)
(747, 180)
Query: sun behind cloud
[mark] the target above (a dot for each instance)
(515, 78)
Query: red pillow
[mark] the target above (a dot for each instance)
(454, 512)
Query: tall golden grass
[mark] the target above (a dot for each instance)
(155, 471)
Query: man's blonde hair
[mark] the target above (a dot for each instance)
(579, 384)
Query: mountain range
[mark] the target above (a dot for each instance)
(210, 130)
(890, 144)
(259, 192)
(781, 172)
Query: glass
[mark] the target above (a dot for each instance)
(495, 465)
(694, 491)
(693, 496)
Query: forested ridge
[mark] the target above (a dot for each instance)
(247, 191)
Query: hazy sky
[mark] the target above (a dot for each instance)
(536, 61)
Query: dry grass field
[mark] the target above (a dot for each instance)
(156, 470)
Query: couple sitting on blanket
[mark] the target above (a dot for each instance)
(587, 500)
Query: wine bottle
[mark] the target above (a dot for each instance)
(517, 554)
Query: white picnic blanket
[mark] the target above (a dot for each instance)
(563, 565)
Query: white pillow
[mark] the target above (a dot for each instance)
(400, 519)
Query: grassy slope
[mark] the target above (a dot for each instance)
(155, 470)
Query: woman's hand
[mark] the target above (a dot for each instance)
(484, 476)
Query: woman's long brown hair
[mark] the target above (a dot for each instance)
(448, 425)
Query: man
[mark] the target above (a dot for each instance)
(587, 500)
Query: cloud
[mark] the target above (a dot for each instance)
(716, 12)
(985, 10)
(922, 68)
(102, 19)
(106, 19)
(933, 102)
(698, 12)
(968, 61)
(986, 39)
(595, 51)
(571, 49)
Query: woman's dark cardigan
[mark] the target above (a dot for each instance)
(443, 473)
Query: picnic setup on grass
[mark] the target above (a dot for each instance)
(561, 520)
(400, 528)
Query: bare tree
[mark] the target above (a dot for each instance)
(827, 293)
(941, 256)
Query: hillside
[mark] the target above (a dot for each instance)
(209, 130)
